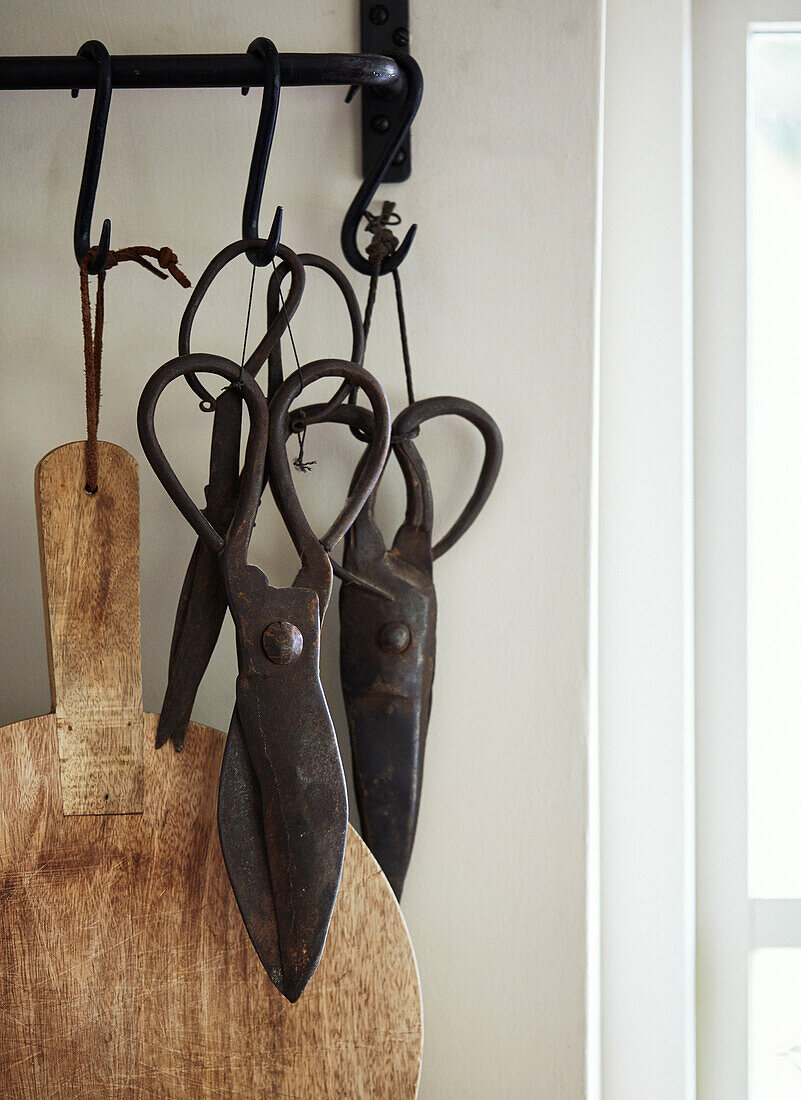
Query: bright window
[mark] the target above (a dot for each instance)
(774, 461)
(774, 563)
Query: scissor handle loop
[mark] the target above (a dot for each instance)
(419, 505)
(250, 482)
(371, 466)
(419, 497)
(275, 328)
(275, 368)
(355, 416)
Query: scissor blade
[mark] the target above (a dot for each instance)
(201, 610)
(203, 603)
(387, 652)
(388, 748)
(294, 753)
(241, 828)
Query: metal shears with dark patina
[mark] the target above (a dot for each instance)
(387, 646)
(282, 808)
(202, 604)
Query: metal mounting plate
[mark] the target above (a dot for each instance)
(384, 29)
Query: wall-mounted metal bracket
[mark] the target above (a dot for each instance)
(384, 30)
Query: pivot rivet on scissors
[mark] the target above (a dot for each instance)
(282, 642)
(395, 637)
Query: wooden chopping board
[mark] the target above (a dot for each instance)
(125, 969)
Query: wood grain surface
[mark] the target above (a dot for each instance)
(125, 968)
(89, 547)
(126, 971)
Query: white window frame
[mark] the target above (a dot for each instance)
(719, 54)
(729, 924)
(645, 583)
(676, 923)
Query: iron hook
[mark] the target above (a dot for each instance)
(260, 257)
(97, 52)
(364, 196)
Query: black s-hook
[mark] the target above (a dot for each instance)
(364, 196)
(264, 49)
(97, 52)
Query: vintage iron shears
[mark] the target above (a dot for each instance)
(387, 642)
(202, 604)
(282, 808)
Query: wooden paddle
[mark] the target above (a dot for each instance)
(125, 969)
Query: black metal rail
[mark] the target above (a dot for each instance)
(396, 82)
(210, 70)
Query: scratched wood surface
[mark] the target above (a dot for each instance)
(89, 550)
(126, 971)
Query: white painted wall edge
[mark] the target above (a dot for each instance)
(593, 977)
(645, 569)
(719, 41)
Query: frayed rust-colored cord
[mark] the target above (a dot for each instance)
(383, 244)
(93, 334)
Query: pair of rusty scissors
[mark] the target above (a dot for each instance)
(202, 604)
(282, 808)
(387, 640)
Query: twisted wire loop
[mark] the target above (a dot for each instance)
(383, 244)
(298, 425)
(93, 331)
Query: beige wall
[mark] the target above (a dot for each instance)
(499, 290)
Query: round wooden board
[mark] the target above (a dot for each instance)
(126, 971)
